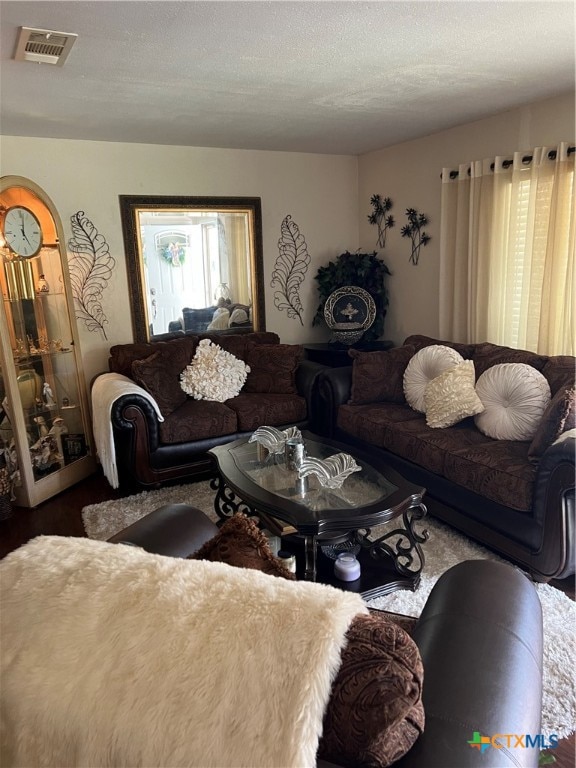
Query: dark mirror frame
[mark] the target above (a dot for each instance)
(131, 204)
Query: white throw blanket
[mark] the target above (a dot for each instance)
(107, 388)
(111, 656)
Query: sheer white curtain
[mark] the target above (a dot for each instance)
(236, 229)
(507, 251)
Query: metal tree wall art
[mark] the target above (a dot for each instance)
(90, 270)
(378, 217)
(290, 269)
(414, 231)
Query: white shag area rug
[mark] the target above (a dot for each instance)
(444, 549)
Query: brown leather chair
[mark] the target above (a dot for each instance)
(479, 634)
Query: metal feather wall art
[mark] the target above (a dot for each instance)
(90, 268)
(290, 269)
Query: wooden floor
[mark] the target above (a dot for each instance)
(61, 516)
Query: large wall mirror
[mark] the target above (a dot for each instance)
(194, 264)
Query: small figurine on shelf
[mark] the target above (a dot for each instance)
(58, 429)
(31, 346)
(44, 454)
(42, 286)
(48, 395)
(42, 428)
(65, 402)
(43, 344)
(58, 426)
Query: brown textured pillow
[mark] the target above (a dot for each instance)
(235, 345)
(487, 355)
(559, 416)
(419, 342)
(159, 374)
(375, 712)
(273, 368)
(123, 355)
(241, 543)
(560, 370)
(378, 376)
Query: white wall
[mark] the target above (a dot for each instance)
(328, 196)
(409, 174)
(318, 191)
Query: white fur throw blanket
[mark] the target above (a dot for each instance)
(115, 657)
(107, 388)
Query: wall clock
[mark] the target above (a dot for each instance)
(22, 231)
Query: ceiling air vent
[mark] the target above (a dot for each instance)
(44, 46)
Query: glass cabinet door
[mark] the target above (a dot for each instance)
(44, 402)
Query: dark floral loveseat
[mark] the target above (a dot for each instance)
(278, 392)
(515, 496)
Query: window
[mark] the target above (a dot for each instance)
(508, 252)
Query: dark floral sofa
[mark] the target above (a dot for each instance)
(278, 392)
(516, 497)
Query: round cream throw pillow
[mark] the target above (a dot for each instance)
(514, 396)
(426, 365)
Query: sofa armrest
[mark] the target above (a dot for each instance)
(562, 449)
(306, 384)
(131, 410)
(554, 506)
(334, 388)
(136, 432)
(480, 636)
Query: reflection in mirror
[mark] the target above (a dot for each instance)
(194, 264)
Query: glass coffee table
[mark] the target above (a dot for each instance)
(326, 518)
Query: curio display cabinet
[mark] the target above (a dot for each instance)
(45, 435)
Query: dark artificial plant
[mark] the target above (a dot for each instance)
(413, 230)
(364, 270)
(378, 217)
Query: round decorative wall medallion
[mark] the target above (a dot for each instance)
(349, 312)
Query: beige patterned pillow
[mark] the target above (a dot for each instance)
(451, 396)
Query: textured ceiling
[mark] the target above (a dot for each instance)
(311, 76)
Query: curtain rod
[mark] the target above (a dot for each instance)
(525, 160)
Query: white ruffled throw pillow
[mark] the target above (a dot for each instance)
(213, 374)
